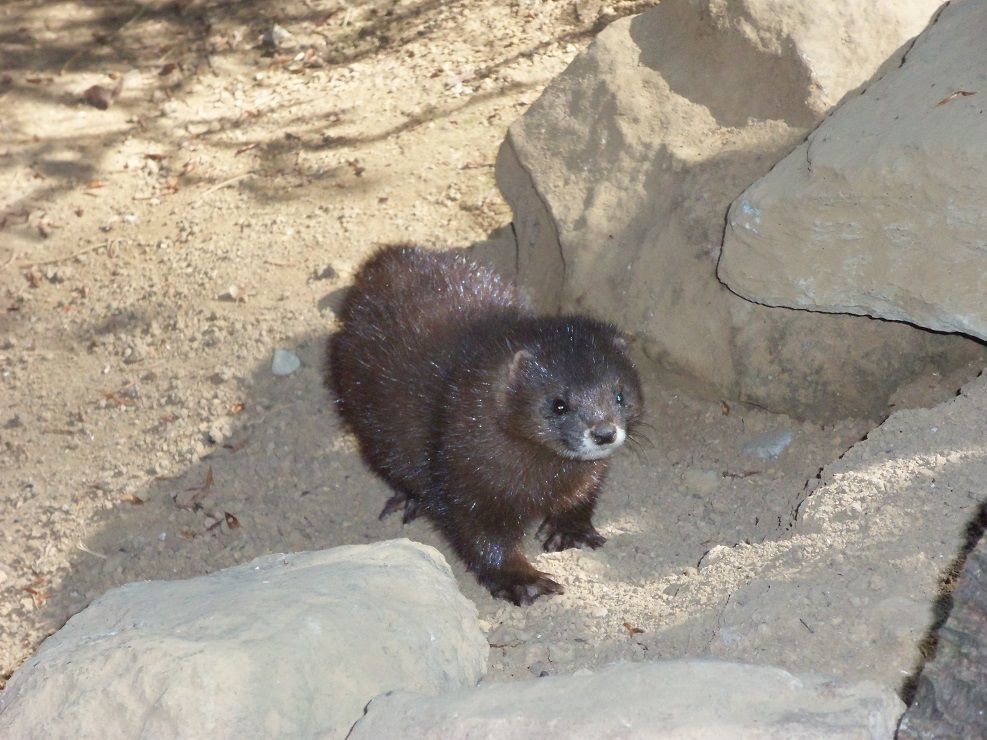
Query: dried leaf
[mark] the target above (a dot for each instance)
(117, 398)
(206, 484)
(39, 597)
(237, 408)
(724, 408)
(231, 521)
(631, 630)
(238, 446)
(34, 276)
(952, 96)
(184, 501)
(133, 499)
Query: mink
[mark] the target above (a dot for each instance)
(481, 416)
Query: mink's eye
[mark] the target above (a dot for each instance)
(620, 398)
(560, 407)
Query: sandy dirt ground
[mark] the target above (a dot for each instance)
(156, 252)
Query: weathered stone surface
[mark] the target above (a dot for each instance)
(851, 591)
(881, 211)
(951, 699)
(620, 176)
(284, 646)
(669, 699)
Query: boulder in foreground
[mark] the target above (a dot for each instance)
(284, 646)
(698, 699)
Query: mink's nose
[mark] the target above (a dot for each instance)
(604, 434)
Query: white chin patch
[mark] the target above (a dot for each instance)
(590, 450)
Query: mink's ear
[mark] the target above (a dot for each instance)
(522, 359)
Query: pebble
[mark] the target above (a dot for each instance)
(277, 37)
(222, 375)
(285, 362)
(769, 445)
(219, 430)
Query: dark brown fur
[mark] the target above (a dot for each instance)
(476, 412)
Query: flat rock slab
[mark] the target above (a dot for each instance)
(852, 591)
(670, 699)
(881, 211)
(284, 646)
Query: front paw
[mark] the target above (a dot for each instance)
(557, 539)
(526, 589)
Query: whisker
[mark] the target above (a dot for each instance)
(638, 450)
(638, 437)
(648, 424)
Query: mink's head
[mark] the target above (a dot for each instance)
(573, 389)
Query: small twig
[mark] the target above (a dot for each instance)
(745, 474)
(6, 263)
(82, 547)
(65, 259)
(224, 183)
(278, 263)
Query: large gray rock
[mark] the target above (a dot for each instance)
(621, 174)
(951, 698)
(284, 646)
(881, 211)
(670, 699)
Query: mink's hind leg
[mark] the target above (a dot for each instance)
(571, 528)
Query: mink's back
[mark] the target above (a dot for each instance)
(404, 322)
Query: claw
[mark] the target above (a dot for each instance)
(525, 592)
(394, 503)
(559, 539)
(399, 500)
